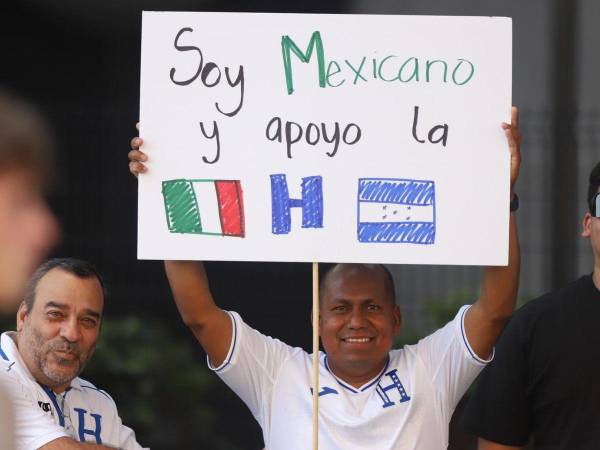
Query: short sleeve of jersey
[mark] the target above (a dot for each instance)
(252, 366)
(127, 439)
(452, 363)
(498, 409)
(33, 428)
(121, 436)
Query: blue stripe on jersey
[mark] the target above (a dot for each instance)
(3, 355)
(96, 389)
(223, 365)
(61, 417)
(464, 336)
(351, 389)
(347, 387)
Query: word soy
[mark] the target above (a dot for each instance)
(210, 73)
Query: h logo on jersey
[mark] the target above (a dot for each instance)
(382, 391)
(83, 430)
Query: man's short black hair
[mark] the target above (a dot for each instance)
(325, 269)
(594, 185)
(74, 266)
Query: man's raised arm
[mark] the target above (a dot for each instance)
(210, 324)
(485, 320)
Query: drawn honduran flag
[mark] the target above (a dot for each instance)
(396, 210)
(213, 207)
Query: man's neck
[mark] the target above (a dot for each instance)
(596, 276)
(60, 389)
(357, 378)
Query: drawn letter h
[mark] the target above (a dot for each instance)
(311, 203)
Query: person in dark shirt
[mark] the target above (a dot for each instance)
(544, 382)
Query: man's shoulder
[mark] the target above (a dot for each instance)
(406, 357)
(553, 301)
(11, 375)
(8, 378)
(93, 393)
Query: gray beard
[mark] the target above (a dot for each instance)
(42, 349)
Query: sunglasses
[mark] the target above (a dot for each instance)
(595, 205)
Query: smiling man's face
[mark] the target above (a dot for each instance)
(58, 336)
(358, 321)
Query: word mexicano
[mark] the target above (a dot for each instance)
(389, 68)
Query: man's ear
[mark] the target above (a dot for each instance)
(21, 314)
(586, 230)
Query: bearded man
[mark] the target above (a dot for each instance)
(58, 325)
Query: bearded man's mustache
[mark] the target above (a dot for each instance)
(65, 346)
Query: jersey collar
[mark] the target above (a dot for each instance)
(365, 386)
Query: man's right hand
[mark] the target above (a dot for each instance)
(137, 158)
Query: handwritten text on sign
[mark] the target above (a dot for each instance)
(324, 138)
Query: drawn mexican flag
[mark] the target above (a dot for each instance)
(213, 207)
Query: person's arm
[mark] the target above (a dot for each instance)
(65, 443)
(484, 444)
(486, 318)
(211, 325)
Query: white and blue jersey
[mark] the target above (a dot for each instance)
(82, 412)
(407, 406)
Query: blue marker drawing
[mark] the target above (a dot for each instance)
(311, 203)
(394, 210)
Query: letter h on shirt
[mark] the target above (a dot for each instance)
(396, 384)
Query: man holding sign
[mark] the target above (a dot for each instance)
(370, 396)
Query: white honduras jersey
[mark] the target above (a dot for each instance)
(82, 412)
(407, 406)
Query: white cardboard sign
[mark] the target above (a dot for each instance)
(332, 138)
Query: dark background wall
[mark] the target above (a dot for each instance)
(79, 61)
